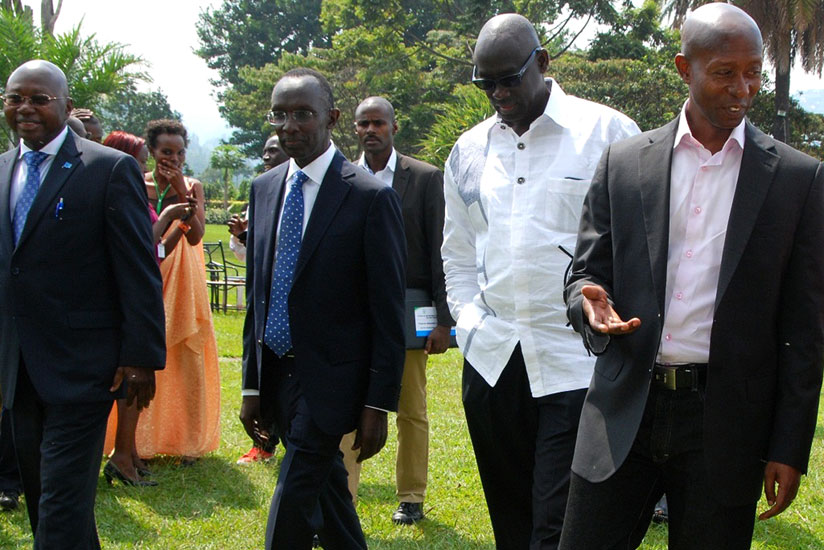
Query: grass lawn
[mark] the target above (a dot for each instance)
(217, 504)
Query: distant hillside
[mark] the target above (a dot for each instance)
(811, 100)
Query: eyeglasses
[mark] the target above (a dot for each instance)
(509, 81)
(278, 118)
(38, 100)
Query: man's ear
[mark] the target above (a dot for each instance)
(682, 65)
(334, 115)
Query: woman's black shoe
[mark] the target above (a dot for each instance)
(110, 471)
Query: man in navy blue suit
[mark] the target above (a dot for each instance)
(81, 306)
(324, 335)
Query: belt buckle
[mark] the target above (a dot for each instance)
(669, 374)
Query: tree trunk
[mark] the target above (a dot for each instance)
(781, 126)
(226, 189)
(48, 15)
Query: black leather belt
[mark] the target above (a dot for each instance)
(689, 376)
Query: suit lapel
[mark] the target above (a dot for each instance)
(7, 161)
(331, 194)
(64, 164)
(654, 162)
(758, 165)
(401, 178)
(267, 214)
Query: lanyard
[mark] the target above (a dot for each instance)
(161, 195)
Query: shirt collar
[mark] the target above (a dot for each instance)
(390, 164)
(684, 131)
(51, 148)
(556, 106)
(316, 170)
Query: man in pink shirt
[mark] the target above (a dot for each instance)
(699, 281)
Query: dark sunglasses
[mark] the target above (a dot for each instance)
(38, 100)
(510, 81)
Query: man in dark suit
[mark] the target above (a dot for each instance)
(705, 236)
(323, 339)
(420, 187)
(81, 309)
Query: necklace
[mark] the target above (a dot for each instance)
(160, 194)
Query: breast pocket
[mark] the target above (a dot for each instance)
(564, 200)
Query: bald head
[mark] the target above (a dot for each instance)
(45, 71)
(77, 126)
(377, 103)
(509, 33)
(712, 26)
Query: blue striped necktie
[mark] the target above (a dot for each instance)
(24, 201)
(276, 335)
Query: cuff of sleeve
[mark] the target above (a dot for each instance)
(376, 408)
(248, 393)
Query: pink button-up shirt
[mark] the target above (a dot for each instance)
(702, 186)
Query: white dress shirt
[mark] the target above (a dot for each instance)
(21, 170)
(512, 209)
(387, 174)
(702, 186)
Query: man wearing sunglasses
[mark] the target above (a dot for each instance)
(514, 186)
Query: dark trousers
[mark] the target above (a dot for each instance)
(311, 496)
(523, 447)
(667, 456)
(9, 473)
(59, 450)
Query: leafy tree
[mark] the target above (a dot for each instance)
(130, 110)
(790, 28)
(228, 158)
(92, 69)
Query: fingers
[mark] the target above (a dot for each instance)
(788, 480)
(600, 314)
(371, 435)
(118, 379)
(250, 417)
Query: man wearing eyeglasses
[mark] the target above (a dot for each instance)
(323, 342)
(81, 306)
(514, 186)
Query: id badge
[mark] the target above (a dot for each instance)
(161, 251)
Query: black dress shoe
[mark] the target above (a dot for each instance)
(8, 501)
(408, 513)
(110, 471)
(661, 513)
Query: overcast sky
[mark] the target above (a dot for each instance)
(163, 33)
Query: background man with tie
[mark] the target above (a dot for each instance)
(324, 335)
(81, 309)
(699, 281)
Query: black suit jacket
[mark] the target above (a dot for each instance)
(80, 294)
(346, 305)
(765, 360)
(420, 188)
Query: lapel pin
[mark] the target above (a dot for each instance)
(67, 165)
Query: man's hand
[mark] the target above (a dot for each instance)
(788, 480)
(140, 385)
(601, 316)
(371, 435)
(250, 418)
(237, 225)
(438, 340)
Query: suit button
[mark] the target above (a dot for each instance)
(15, 271)
(521, 180)
(260, 341)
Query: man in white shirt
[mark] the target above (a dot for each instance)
(514, 185)
(705, 235)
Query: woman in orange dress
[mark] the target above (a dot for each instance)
(184, 417)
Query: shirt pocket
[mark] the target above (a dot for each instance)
(564, 200)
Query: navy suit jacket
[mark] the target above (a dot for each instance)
(346, 305)
(766, 343)
(80, 294)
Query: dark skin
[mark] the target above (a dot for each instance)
(504, 44)
(37, 126)
(305, 142)
(375, 126)
(722, 68)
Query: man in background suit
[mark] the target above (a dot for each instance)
(705, 236)
(324, 336)
(81, 310)
(420, 188)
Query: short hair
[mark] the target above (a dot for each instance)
(126, 142)
(165, 126)
(325, 87)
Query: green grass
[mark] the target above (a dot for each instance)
(217, 504)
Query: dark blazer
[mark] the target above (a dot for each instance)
(420, 188)
(346, 305)
(81, 293)
(765, 360)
